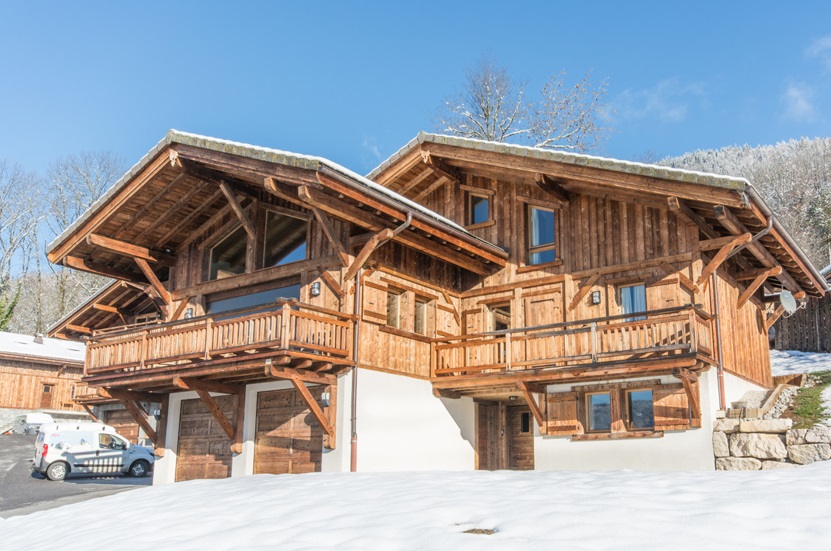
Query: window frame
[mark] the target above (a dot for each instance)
(627, 410)
(482, 193)
(273, 209)
(225, 236)
(419, 300)
(587, 409)
(634, 315)
(553, 245)
(399, 294)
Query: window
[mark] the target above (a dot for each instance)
(633, 300)
(394, 309)
(285, 239)
(228, 257)
(500, 316)
(525, 422)
(420, 316)
(111, 442)
(599, 412)
(252, 299)
(47, 389)
(639, 410)
(542, 244)
(478, 209)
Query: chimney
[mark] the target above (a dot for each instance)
(38, 338)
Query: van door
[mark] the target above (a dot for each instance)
(78, 449)
(110, 455)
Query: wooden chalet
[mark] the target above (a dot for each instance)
(468, 304)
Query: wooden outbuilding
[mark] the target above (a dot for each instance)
(468, 304)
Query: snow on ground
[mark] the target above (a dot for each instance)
(778, 509)
(786, 362)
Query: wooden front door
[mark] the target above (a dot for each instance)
(288, 438)
(204, 449)
(46, 396)
(504, 437)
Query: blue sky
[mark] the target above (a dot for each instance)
(355, 81)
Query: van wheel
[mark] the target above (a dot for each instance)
(57, 471)
(139, 469)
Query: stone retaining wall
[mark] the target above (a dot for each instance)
(753, 444)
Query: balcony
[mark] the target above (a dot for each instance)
(654, 341)
(233, 345)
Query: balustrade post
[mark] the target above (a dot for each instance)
(208, 337)
(594, 341)
(508, 351)
(693, 332)
(285, 322)
(143, 349)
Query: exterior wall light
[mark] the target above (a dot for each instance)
(188, 313)
(324, 399)
(315, 289)
(595, 297)
(512, 398)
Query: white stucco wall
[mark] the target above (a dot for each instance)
(735, 387)
(402, 426)
(676, 450)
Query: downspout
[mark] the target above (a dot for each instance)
(353, 461)
(722, 401)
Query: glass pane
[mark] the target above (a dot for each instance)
(285, 239)
(393, 305)
(420, 323)
(543, 257)
(228, 257)
(254, 299)
(640, 409)
(479, 209)
(600, 412)
(633, 300)
(542, 227)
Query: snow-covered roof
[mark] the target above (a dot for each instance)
(267, 154)
(605, 163)
(15, 344)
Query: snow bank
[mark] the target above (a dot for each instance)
(786, 362)
(781, 509)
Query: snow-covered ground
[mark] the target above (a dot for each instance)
(781, 509)
(786, 362)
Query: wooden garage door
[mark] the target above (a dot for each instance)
(123, 423)
(288, 439)
(204, 450)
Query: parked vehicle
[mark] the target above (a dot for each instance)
(30, 423)
(87, 448)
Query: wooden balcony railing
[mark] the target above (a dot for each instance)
(662, 333)
(283, 326)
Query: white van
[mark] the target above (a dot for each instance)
(30, 423)
(87, 448)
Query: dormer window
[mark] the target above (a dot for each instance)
(285, 239)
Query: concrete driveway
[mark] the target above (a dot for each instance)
(23, 492)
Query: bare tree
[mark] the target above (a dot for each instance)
(493, 106)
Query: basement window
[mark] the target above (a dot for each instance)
(599, 412)
(228, 257)
(639, 410)
(542, 242)
(285, 239)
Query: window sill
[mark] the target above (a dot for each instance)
(409, 334)
(481, 225)
(617, 435)
(532, 267)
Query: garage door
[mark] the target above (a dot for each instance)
(123, 423)
(288, 438)
(204, 450)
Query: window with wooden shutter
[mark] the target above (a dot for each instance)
(671, 407)
(562, 414)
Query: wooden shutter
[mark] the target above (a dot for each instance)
(375, 303)
(562, 414)
(671, 407)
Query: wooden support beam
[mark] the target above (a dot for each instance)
(680, 208)
(314, 407)
(118, 394)
(161, 426)
(360, 259)
(584, 289)
(683, 280)
(332, 283)
(91, 413)
(129, 250)
(208, 386)
(553, 188)
(79, 329)
(756, 283)
(717, 243)
(199, 209)
(330, 440)
(722, 255)
(440, 167)
(140, 416)
(753, 274)
(771, 319)
(735, 226)
(183, 303)
(533, 405)
(239, 425)
(163, 194)
(687, 379)
(217, 412)
(326, 225)
(110, 310)
(85, 265)
(420, 177)
(446, 393)
(307, 376)
(431, 188)
(154, 281)
(237, 208)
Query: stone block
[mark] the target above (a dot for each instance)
(795, 437)
(720, 446)
(726, 425)
(768, 465)
(760, 446)
(818, 434)
(808, 453)
(766, 425)
(738, 464)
